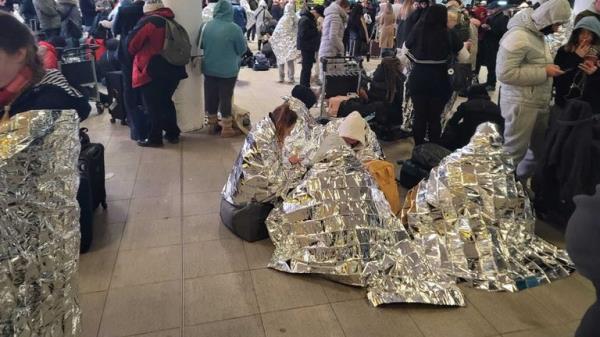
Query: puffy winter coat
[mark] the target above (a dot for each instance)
(47, 13)
(309, 37)
(284, 37)
(250, 18)
(49, 55)
(145, 44)
(523, 54)
(332, 39)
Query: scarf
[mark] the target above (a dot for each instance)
(9, 93)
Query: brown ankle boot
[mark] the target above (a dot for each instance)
(227, 130)
(213, 125)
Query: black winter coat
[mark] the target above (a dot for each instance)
(469, 115)
(491, 41)
(52, 92)
(309, 38)
(591, 89)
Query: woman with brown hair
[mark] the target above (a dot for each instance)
(407, 8)
(24, 84)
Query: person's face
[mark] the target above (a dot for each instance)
(585, 37)
(10, 65)
(314, 13)
(452, 22)
(597, 5)
(351, 142)
(556, 27)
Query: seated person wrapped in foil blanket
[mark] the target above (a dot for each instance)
(476, 224)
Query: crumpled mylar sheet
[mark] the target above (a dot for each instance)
(337, 223)
(475, 223)
(39, 225)
(285, 36)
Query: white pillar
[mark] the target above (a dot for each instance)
(189, 97)
(581, 5)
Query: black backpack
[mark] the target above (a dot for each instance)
(261, 62)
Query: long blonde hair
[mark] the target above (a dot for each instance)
(407, 8)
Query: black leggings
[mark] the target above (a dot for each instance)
(427, 112)
(158, 100)
(251, 33)
(218, 95)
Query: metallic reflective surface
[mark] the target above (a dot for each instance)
(39, 225)
(284, 36)
(475, 223)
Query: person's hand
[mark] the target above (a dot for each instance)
(106, 24)
(587, 68)
(486, 26)
(552, 70)
(468, 45)
(583, 48)
(294, 160)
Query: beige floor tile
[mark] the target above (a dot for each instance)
(210, 181)
(155, 208)
(337, 292)
(259, 253)
(92, 306)
(163, 333)
(119, 189)
(118, 161)
(213, 257)
(278, 291)
(451, 322)
(358, 318)
(121, 145)
(201, 203)
(150, 265)
(107, 237)
(310, 321)
(584, 281)
(116, 212)
(148, 188)
(162, 170)
(119, 171)
(151, 233)
(219, 297)
(206, 227)
(250, 326)
(95, 271)
(164, 154)
(509, 312)
(566, 330)
(142, 309)
(566, 298)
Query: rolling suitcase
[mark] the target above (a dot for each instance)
(86, 215)
(114, 85)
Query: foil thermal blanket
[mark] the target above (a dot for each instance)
(39, 225)
(475, 223)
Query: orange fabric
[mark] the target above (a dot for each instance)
(384, 174)
(49, 55)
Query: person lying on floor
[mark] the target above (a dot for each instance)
(477, 110)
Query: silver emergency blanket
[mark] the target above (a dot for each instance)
(338, 224)
(285, 35)
(39, 225)
(476, 224)
(260, 173)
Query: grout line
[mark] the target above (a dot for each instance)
(180, 148)
(118, 251)
(262, 324)
(337, 319)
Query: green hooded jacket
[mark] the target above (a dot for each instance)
(223, 43)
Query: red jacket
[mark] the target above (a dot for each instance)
(145, 45)
(50, 56)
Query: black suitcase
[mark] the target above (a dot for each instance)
(247, 222)
(114, 85)
(86, 216)
(411, 174)
(91, 164)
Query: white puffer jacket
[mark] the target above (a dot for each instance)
(332, 38)
(523, 54)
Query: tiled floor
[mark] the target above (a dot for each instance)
(163, 265)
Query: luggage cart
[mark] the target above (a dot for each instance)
(341, 75)
(78, 65)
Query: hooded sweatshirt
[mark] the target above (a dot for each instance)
(523, 54)
(223, 43)
(332, 39)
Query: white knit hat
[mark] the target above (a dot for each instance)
(354, 127)
(153, 5)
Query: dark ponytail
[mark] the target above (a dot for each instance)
(283, 117)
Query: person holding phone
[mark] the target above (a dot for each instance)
(579, 59)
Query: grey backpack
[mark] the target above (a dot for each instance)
(177, 49)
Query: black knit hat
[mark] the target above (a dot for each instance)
(305, 95)
(320, 9)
